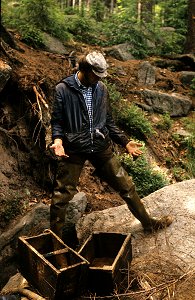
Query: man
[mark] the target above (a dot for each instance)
(83, 129)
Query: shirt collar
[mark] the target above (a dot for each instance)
(78, 82)
(81, 86)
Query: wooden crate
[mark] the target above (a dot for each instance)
(50, 266)
(108, 254)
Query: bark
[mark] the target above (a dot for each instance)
(111, 6)
(6, 36)
(190, 39)
(147, 10)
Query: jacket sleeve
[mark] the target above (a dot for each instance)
(118, 136)
(57, 114)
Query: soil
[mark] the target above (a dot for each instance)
(23, 138)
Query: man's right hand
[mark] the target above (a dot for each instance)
(58, 148)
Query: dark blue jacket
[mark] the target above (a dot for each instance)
(70, 120)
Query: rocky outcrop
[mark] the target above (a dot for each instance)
(176, 243)
(121, 52)
(187, 77)
(174, 104)
(146, 74)
(54, 45)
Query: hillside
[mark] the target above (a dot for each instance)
(24, 126)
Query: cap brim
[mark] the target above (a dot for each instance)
(100, 74)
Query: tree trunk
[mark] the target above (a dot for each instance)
(190, 39)
(73, 3)
(111, 6)
(80, 4)
(139, 5)
(147, 10)
(8, 39)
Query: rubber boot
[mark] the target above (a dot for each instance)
(138, 210)
(116, 176)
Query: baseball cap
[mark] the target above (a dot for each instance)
(98, 63)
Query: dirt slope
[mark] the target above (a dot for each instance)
(24, 169)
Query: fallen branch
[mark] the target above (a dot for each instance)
(43, 114)
(17, 284)
(25, 292)
(38, 95)
(30, 295)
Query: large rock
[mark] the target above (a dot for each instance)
(186, 77)
(146, 74)
(121, 52)
(175, 104)
(5, 72)
(175, 243)
(53, 45)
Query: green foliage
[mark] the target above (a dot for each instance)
(32, 36)
(30, 17)
(128, 116)
(37, 12)
(98, 10)
(184, 168)
(100, 27)
(174, 14)
(165, 123)
(190, 146)
(192, 87)
(123, 30)
(83, 29)
(168, 42)
(10, 208)
(180, 173)
(146, 179)
(134, 121)
(191, 155)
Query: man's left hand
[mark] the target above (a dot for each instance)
(133, 148)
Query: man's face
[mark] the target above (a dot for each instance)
(90, 78)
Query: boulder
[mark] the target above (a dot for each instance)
(146, 74)
(186, 77)
(175, 243)
(53, 44)
(174, 104)
(121, 52)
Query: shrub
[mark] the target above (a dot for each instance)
(180, 173)
(165, 123)
(32, 36)
(83, 29)
(128, 116)
(123, 30)
(192, 87)
(146, 179)
(11, 206)
(30, 18)
(169, 42)
(190, 145)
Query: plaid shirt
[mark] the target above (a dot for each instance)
(87, 94)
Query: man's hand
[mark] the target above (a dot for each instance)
(133, 148)
(58, 148)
